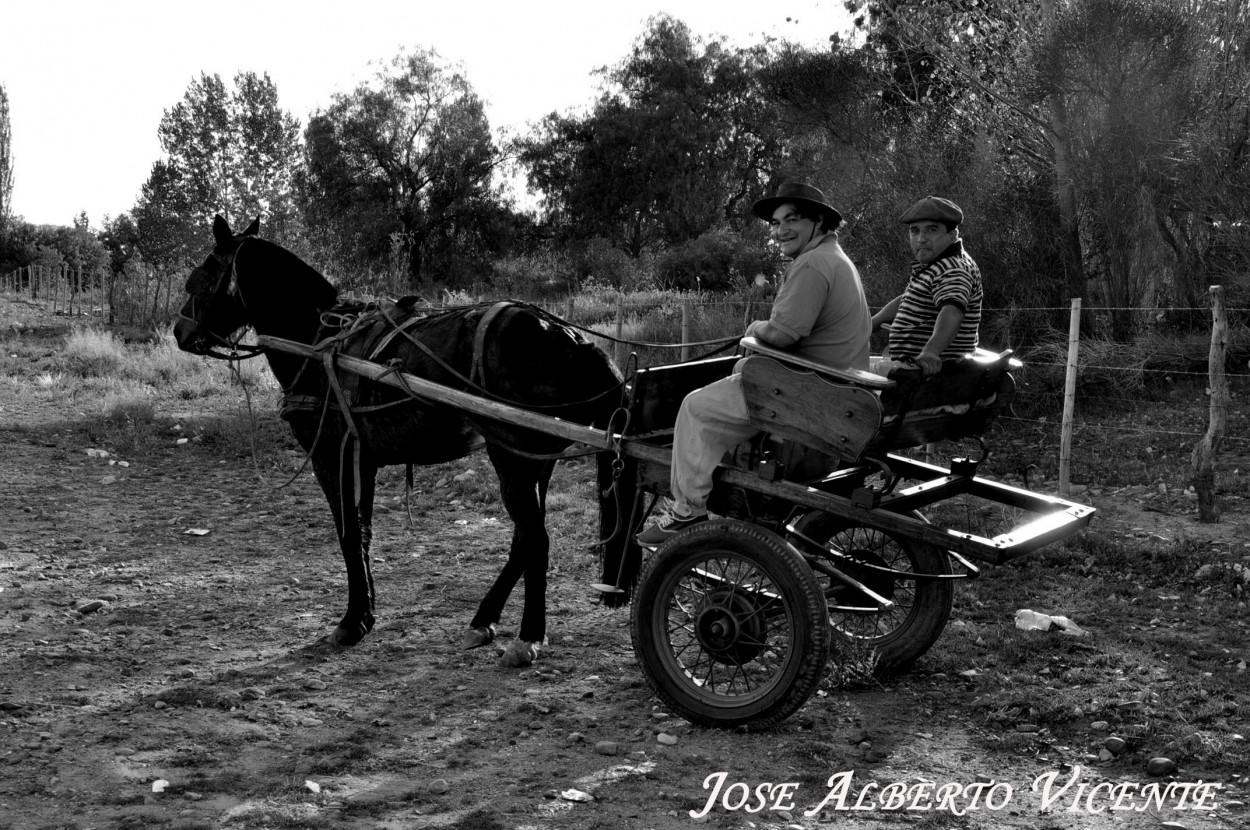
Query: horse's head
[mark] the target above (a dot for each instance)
(214, 313)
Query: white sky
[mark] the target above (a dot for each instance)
(88, 80)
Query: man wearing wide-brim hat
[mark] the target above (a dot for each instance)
(938, 315)
(819, 313)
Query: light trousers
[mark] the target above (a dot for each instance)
(711, 422)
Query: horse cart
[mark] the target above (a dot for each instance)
(827, 536)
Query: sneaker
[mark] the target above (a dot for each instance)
(666, 528)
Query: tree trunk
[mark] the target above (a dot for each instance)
(1065, 186)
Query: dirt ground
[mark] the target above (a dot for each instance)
(163, 664)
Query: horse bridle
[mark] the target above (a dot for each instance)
(227, 277)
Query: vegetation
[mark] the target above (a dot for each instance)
(1098, 147)
(6, 160)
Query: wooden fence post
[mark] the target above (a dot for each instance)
(685, 330)
(1208, 447)
(620, 327)
(1069, 397)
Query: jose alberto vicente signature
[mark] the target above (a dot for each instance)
(1049, 791)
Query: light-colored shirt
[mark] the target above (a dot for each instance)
(821, 303)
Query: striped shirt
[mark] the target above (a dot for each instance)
(951, 279)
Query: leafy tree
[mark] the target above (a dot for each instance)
(401, 168)
(1205, 225)
(6, 161)
(232, 152)
(674, 148)
(120, 238)
(1121, 74)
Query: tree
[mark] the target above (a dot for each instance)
(674, 148)
(232, 152)
(401, 166)
(1120, 73)
(6, 161)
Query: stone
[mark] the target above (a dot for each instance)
(438, 786)
(1115, 744)
(1160, 766)
(607, 747)
(666, 739)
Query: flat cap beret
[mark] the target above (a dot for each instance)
(933, 208)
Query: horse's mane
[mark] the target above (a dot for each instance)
(300, 279)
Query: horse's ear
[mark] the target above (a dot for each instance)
(221, 230)
(252, 229)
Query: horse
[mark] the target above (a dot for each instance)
(350, 426)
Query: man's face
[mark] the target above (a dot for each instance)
(791, 231)
(928, 239)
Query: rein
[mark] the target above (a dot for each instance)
(477, 375)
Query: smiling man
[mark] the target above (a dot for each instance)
(938, 316)
(819, 313)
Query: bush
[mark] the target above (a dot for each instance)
(91, 353)
(603, 264)
(533, 276)
(718, 260)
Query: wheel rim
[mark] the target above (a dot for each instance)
(871, 547)
(725, 628)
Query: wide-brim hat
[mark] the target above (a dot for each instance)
(796, 192)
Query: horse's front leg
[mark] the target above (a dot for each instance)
(354, 525)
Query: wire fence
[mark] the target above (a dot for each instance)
(661, 327)
(141, 299)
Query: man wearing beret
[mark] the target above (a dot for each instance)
(819, 313)
(938, 315)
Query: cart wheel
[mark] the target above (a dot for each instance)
(730, 626)
(901, 634)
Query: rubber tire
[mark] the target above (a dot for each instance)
(802, 602)
(900, 647)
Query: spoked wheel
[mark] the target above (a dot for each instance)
(884, 564)
(729, 625)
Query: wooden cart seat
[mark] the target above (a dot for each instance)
(852, 414)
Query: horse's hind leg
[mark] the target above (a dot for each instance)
(523, 488)
(355, 532)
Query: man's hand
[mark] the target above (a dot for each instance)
(929, 363)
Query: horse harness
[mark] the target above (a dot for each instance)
(227, 279)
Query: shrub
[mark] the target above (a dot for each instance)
(602, 263)
(718, 260)
(536, 276)
(91, 353)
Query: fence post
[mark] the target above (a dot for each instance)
(1069, 396)
(1208, 446)
(685, 329)
(620, 328)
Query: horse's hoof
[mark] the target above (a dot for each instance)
(348, 635)
(519, 654)
(477, 637)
